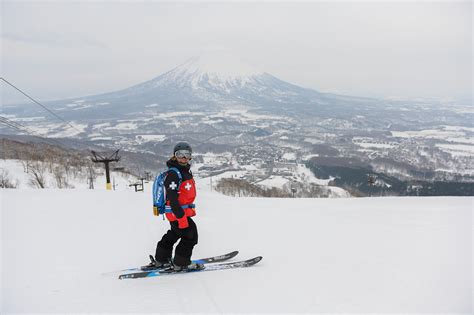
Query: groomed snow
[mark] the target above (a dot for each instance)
(404, 255)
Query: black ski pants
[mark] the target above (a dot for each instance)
(188, 239)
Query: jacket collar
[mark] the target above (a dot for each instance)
(173, 163)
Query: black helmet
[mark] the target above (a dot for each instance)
(182, 146)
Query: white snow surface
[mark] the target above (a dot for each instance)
(404, 255)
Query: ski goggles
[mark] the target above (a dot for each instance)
(183, 153)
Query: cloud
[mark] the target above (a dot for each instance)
(54, 39)
(359, 48)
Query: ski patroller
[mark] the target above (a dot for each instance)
(171, 271)
(207, 260)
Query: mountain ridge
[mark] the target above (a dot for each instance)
(203, 83)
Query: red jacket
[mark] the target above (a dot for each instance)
(180, 197)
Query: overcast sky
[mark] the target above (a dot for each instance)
(54, 50)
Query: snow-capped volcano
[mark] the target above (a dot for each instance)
(212, 70)
(210, 81)
(221, 79)
(213, 80)
(216, 68)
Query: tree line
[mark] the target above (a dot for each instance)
(242, 188)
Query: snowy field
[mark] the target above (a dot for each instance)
(384, 255)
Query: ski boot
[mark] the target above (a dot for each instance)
(156, 265)
(191, 267)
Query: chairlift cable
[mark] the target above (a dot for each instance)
(19, 127)
(38, 103)
(47, 109)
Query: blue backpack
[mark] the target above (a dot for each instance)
(159, 192)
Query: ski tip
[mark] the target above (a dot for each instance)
(253, 261)
(127, 276)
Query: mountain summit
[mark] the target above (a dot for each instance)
(218, 66)
(211, 70)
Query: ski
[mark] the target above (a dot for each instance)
(166, 272)
(207, 260)
(214, 259)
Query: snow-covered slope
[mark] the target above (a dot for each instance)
(320, 255)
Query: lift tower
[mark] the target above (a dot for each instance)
(100, 158)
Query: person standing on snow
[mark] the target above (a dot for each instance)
(180, 195)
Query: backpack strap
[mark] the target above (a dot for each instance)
(191, 205)
(174, 169)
